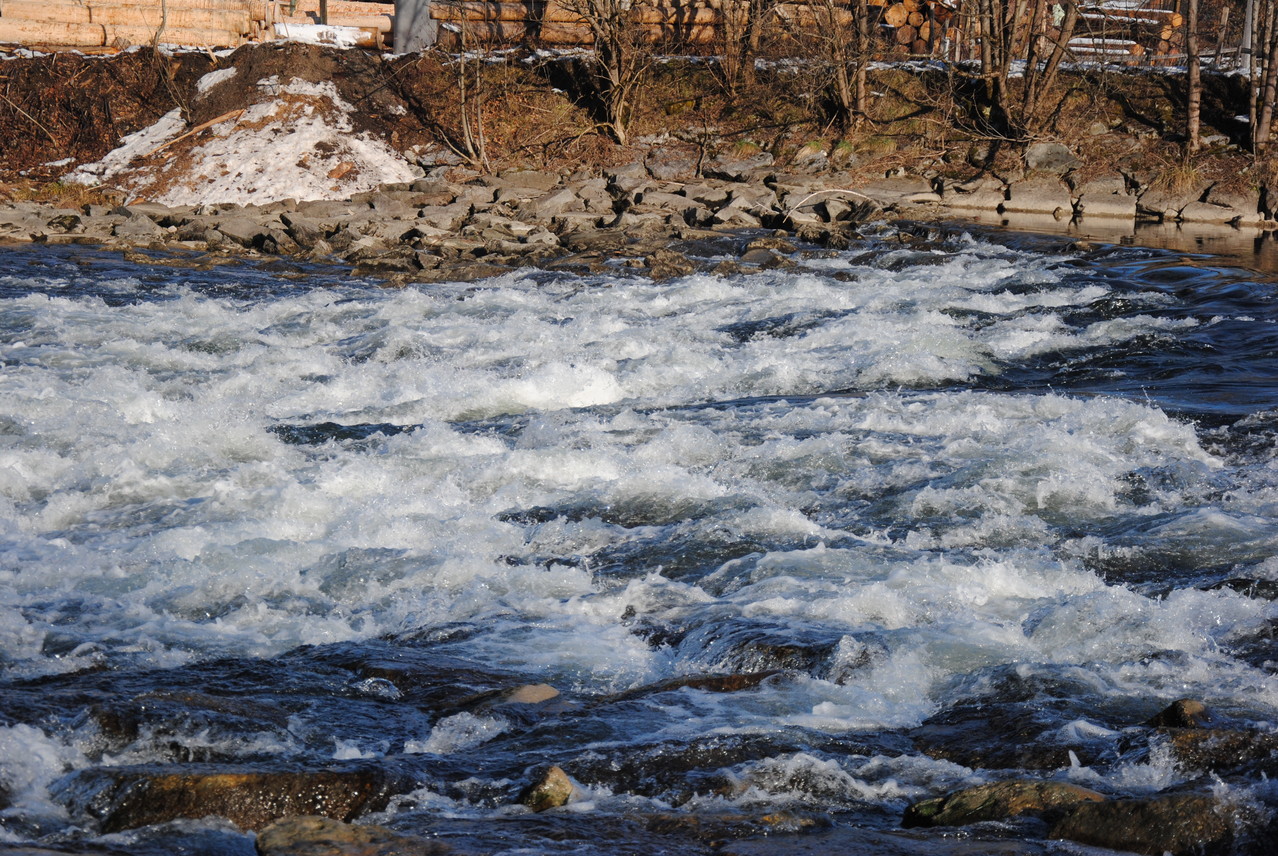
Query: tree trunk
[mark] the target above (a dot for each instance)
(1269, 89)
(1193, 78)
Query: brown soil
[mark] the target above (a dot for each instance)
(538, 113)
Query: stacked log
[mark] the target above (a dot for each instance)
(1128, 32)
(91, 24)
(375, 20)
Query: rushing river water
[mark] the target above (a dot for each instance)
(948, 511)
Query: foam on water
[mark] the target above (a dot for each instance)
(794, 450)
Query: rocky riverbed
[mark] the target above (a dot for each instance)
(458, 227)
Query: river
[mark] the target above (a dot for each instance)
(950, 506)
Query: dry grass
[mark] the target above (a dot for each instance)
(59, 194)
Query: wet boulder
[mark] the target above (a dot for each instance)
(130, 797)
(1222, 750)
(1182, 713)
(665, 263)
(551, 789)
(322, 836)
(997, 801)
(1176, 824)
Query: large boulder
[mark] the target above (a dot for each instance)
(130, 797)
(997, 801)
(1050, 157)
(551, 789)
(1179, 824)
(322, 836)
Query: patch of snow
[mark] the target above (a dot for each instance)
(134, 145)
(320, 34)
(213, 78)
(298, 143)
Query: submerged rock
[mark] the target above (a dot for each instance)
(1221, 750)
(551, 789)
(323, 836)
(1176, 824)
(1182, 713)
(997, 801)
(130, 797)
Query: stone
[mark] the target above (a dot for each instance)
(1182, 713)
(550, 790)
(449, 217)
(736, 215)
(1107, 198)
(388, 207)
(668, 201)
(1050, 157)
(327, 209)
(626, 179)
(1179, 824)
(530, 694)
(305, 231)
(130, 797)
(1206, 212)
(665, 263)
(1039, 196)
(242, 230)
(707, 193)
(1162, 205)
(730, 166)
(764, 258)
(1221, 750)
(976, 200)
(755, 195)
(832, 209)
(20, 222)
(515, 194)
(545, 207)
(900, 190)
(672, 163)
(811, 157)
(140, 229)
(532, 179)
(1246, 203)
(310, 835)
(997, 801)
(66, 222)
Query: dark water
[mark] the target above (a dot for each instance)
(787, 551)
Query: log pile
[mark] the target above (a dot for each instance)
(113, 24)
(906, 26)
(89, 24)
(1128, 31)
(1108, 30)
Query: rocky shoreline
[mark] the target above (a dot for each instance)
(458, 225)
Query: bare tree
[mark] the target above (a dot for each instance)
(1193, 78)
(1041, 73)
(844, 45)
(620, 60)
(1262, 110)
(743, 23)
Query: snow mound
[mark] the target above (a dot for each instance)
(297, 142)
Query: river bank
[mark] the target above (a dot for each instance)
(471, 227)
(312, 153)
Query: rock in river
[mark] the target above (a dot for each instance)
(323, 836)
(130, 797)
(996, 801)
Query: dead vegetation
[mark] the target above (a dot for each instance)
(59, 110)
